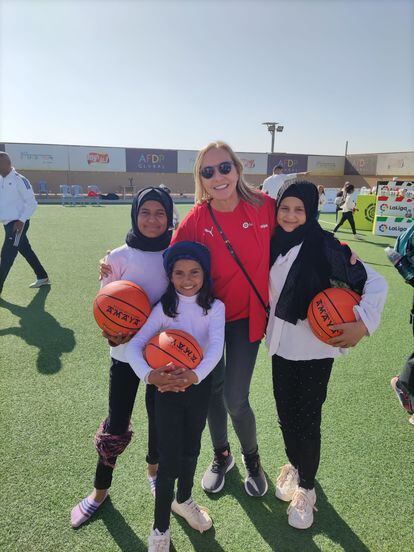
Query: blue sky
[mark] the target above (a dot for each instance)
(178, 74)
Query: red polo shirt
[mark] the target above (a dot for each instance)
(249, 229)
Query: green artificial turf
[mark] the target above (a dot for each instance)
(54, 384)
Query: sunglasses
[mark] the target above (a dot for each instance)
(223, 168)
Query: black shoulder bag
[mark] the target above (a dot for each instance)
(236, 258)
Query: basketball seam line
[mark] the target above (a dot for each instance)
(125, 303)
(111, 320)
(317, 322)
(200, 354)
(167, 353)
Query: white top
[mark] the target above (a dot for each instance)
(176, 216)
(321, 201)
(297, 341)
(349, 204)
(207, 329)
(144, 268)
(17, 200)
(273, 183)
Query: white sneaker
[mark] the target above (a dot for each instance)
(159, 542)
(41, 282)
(152, 480)
(301, 508)
(195, 516)
(287, 483)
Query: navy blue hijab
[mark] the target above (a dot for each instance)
(135, 238)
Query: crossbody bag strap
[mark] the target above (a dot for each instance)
(236, 258)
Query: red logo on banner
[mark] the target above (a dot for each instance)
(97, 158)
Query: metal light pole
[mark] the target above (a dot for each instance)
(272, 128)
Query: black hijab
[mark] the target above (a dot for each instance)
(311, 271)
(135, 238)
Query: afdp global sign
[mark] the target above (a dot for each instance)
(151, 160)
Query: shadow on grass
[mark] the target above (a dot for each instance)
(121, 532)
(200, 541)
(268, 515)
(40, 329)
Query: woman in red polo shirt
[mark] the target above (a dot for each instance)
(247, 219)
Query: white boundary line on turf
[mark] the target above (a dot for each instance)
(326, 222)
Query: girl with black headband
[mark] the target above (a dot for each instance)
(140, 261)
(305, 260)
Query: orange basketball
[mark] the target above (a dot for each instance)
(174, 346)
(331, 306)
(121, 307)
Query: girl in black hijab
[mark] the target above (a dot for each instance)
(305, 259)
(139, 260)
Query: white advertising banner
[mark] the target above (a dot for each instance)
(254, 163)
(96, 159)
(396, 206)
(394, 164)
(186, 160)
(328, 165)
(391, 226)
(391, 187)
(37, 157)
(330, 194)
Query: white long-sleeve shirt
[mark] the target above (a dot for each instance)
(208, 330)
(297, 341)
(145, 269)
(17, 200)
(349, 204)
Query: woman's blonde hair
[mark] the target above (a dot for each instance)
(245, 190)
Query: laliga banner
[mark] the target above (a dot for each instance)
(385, 187)
(96, 159)
(291, 162)
(151, 160)
(391, 226)
(396, 206)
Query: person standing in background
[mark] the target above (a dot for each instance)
(17, 205)
(273, 183)
(322, 199)
(348, 208)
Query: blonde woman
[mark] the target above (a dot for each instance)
(246, 217)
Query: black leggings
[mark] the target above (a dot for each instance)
(348, 216)
(299, 389)
(123, 387)
(181, 419)
(9, 253)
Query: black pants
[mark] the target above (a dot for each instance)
(348, 216)
(299, 389)
(123, 387)
(181, 419)
(9, 253)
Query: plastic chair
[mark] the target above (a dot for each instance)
(94, 195)
(78, 196)
(66, 193)
(43, 189)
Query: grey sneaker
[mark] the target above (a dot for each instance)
(214, 478)
(255, 482)
(41, 282)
